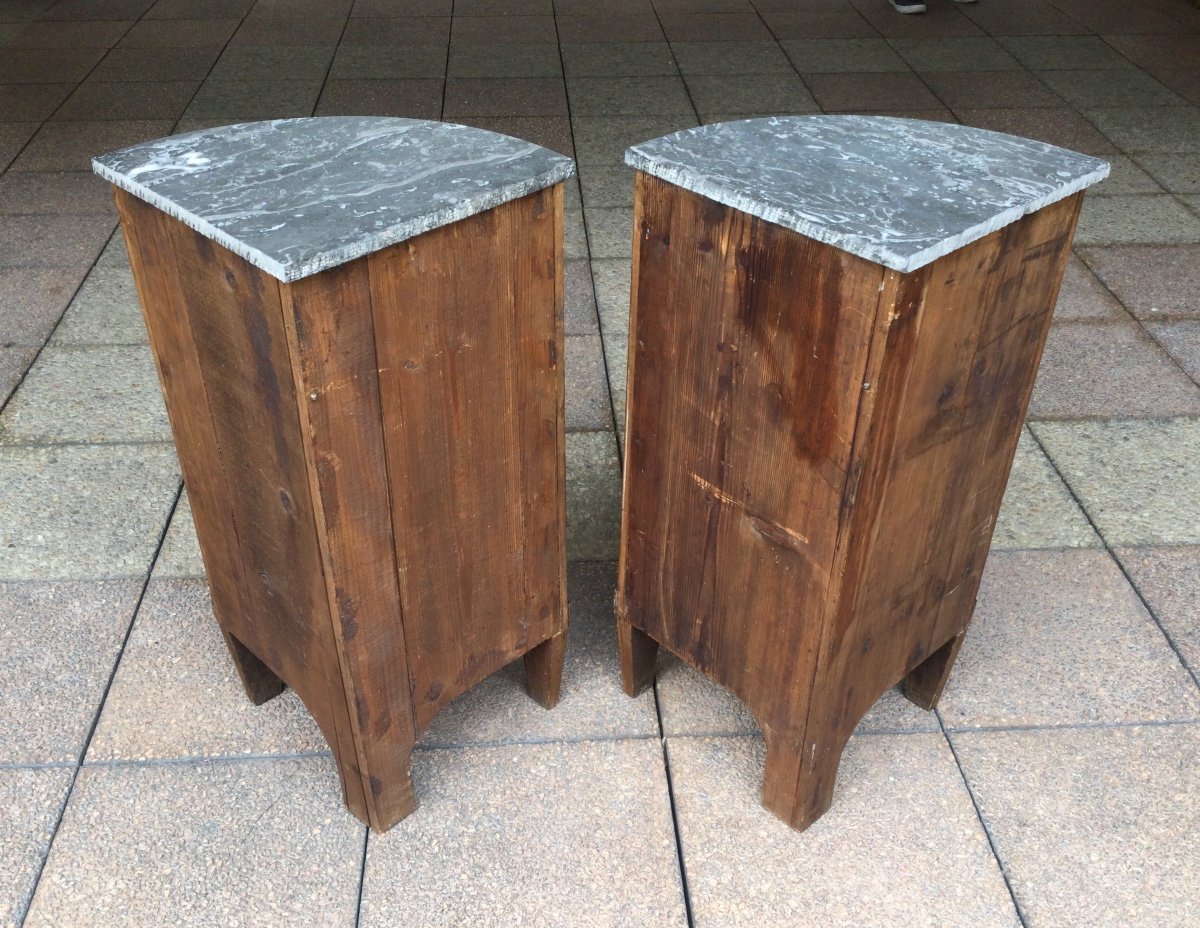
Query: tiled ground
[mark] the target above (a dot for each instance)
(1059, 783)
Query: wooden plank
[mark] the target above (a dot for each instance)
(471, 384)
(331, 339)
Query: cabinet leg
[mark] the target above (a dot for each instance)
(798, 783)
(543, 670)
(259, 680)
(925, 682)
(638, 652)
(385, 795)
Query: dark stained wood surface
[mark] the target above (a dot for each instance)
(817, 448)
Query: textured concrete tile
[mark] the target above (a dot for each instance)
(1125, 177)
(990, 89)
(1152, 281)
(1178, 172)
(1182, 342)
(47, 66)
(603, 139)
(1129, 219)
(817, 56)
(789, 19)
(538, 835)
(30, 103)
(1063, 52)
(76, 512)
(629, 27)
(127, 100)
(415, 99)
(1023, 17)
(610, 232)
(53, 241)
(731, 58)
(1097, 827)
(593, 496)
(1104, 88)
(1169, 581)
(1060, 638)
(55, 192)
(575, 240)
(579, 299)
(506, 30)
(32, 300)
(1184, 81)
(318, 30)
(1060, 126)
(507, 96)
(71, 146)
(105, 311)
(156, 64)
(900, 846)
(94, 34)
(607, 186)
(379, 62)
(249, 842)
(848, 92)
(13, 364)
(587, 387)
(714, 27)
(14, 135)
(176, 693)
(273, 63)
(942, 19)
(1082, 298)
(966, 53)
(1109, 371)
(1172, 48)
(238, 99)
(618, 59)
(752, 94)
(30, 801)
(553, 132)
(1136, 479)
(179, 33)
(612, 294)
(593, 703)
(1149, 129)
(628, 96)
(616, 355)
(88, 394)
(60, 642)
(180, 554)
(1038, 511)
(692, 704)
(524, 60)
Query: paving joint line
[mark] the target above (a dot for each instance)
(329, 68)
(680, 860)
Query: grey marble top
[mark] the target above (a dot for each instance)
(299, 196)
(900, 192)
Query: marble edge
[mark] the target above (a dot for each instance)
(558, 172)
(857, 244)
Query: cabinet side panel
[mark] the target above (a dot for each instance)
(470, 355)
(749, 348)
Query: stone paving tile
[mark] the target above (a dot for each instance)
(1109, 371)
(714, 27)
(874, 91)
(587, 388)
(13, 364)
(603, 139)
(46, 66)
(247, 100)
(284, 62)
(814, 19)
(1149, 129)
(413, 7)
(281, 9)
(731, 58)
(179, 33)
(1153, 281)
(968, 53)
(579, 299)
(1038, 510)
(1061, 638)
(156, 64)
(32, 300)
(1103, 88)
(629, 96)
(607, 186)
(417, 99)
(1178, 173)
(1136, 479)
(553, 132)
(941, 19)
(510, 96)
(380, 62)
(1125, 177)
(593, 496)
(88, 394)
(612, 294)
(1023, 17)
(753, 95)
(502, 30)
(988, 89)
(71, 146)
(176, 647)
(31, 102)
(94, 34)
(1184, 81)
(105, 311)
(692, 704)
(180, 556)
(818, 56)
(127, 100)
(55, 192)
(539, 835)
(246, 842)
(618, 59)
(77, 512)
(1082, 298)
(624, 29)
(14, 135)
(901, 844)
(1169, 580)
(1181, 340)
(42, 241)
(30, 802)
(1060, 126)
(610, 232)
(1096, 827)
(318, 30)
(1064, 52)
(1135, 219)
(523, 60)
(60, 642)
(1176, 48)
(593, 703)
(616, 356)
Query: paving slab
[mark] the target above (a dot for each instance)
(809, 20)
(1104, 88)
(505, 61)
(1056, 125)
(180, 556)
(1153, 281)
(1107, 371)
(616, 356)
(820, 56)
(901, 844)
(243, 101)
(156, 64)
(325, 30)
(32, 300)
(505, 96)
(593, 496)
(603, 139)
(91, 394)
(79, 512)
(1149, 129)
(415, 99)
(618, 59)
(941, 19)
(127, 100)
(55, 192)
(1124, 219)
(30, 802)
(593, 704)
(990, 89)
(1096, 827)
(376, 62)
(281, 62)
(503, 30)
(71, 146)
(1125, 178)
(1169, 581)
(1177, 172)
(14, 135)
(13, 364)
(731, 58)
(1136, 479)
(179, 33)
(610, 232)
(1038, 510)
(45, 241)
(60, 644)
(753, 95)
(610, 186)
(579, 299)
(612, 295)
(628, 96)
(1082, 298)
(246, 842)
(105, 311)
(176, 693)
(855, 92)
(965, 53)
(538, 834)
(1181, 340)
(1063, 52)
(587, 387)
(1061, 638)
(634, 26)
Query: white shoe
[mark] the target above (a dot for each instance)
(909, 6)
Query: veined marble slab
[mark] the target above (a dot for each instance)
(900, 192)
(299, 196)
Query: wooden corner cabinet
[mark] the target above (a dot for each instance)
(358, 328)
(835, 327)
